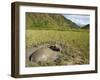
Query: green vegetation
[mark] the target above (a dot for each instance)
(86, 26)
(55, 29)
(43, 21)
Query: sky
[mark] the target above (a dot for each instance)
(80, 20)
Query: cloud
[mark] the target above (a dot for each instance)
(78, 19)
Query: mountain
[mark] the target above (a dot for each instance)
(48, 21)
(86, 26)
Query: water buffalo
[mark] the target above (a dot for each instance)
(46, 54)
